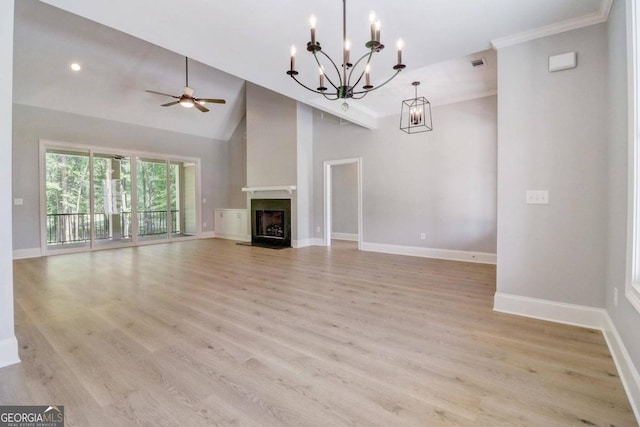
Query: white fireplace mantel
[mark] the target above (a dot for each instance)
(288, 188)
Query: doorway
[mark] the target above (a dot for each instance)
(330, 166)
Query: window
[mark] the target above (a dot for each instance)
(632, 290)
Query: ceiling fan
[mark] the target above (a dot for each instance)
(187, 99)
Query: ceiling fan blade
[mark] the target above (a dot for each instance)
(160, 93)
(213, 101)
(169, 104)
(200, 107)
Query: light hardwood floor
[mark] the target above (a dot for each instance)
(210, 333)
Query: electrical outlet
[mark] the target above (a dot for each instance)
(423, 236)
(204, 225)
(18, 202)
(317, 229)
(615, 297)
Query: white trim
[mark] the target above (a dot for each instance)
(352, 237)
(317, 241)
(626, 369)
(478, 257)
(27, 253)
(206, 235)
(559, 27)
(9, 352)
(559, 312)
(302, 243)
(327, 164)
(288, 188)
(632, 291)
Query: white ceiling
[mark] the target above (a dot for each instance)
(250, 40)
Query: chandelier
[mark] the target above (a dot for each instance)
(346, 82)
(415, 115)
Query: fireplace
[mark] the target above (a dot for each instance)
(271, 222)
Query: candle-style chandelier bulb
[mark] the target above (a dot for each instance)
(351, 80)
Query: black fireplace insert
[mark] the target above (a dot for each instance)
(271, 222)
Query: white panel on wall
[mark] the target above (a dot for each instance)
(563, 61)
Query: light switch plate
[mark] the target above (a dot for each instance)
(537, 197)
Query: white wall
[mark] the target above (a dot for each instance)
(552, 135)
(624, 316)
(441, 183)
(31, 124)
(8, 343)
(344, 194)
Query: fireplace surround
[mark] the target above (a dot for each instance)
(271, 222)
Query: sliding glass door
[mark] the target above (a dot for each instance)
(154, 220)
(103, 199)
(112, 199)
(67, 199)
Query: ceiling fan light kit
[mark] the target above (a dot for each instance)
(187, 100)
(345, 84)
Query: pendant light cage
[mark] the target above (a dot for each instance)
(415, 115)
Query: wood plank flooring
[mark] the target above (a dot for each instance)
(209, 333)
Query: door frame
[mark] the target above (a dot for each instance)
(328, 164)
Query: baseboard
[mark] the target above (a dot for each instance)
(345, 236)
(302, 243)
(570, 314)
(587, 317)
(626, 369)
(206, 235)
(479, 257)
(9, 352)
(27, 253)
(317, 241)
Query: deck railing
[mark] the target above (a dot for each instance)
(76, 227)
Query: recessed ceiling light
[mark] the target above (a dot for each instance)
(75, 66)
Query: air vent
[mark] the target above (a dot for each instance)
(478, 62)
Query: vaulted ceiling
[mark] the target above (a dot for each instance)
(127, 46)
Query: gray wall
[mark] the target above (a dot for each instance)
(31, 124)
(442, 183)
(237, 165)
(271, 138)
(624, 316)
(304, 176)
(344, 198)
(552, 136)
(8, 343)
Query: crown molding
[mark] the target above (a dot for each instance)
(559, 27)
